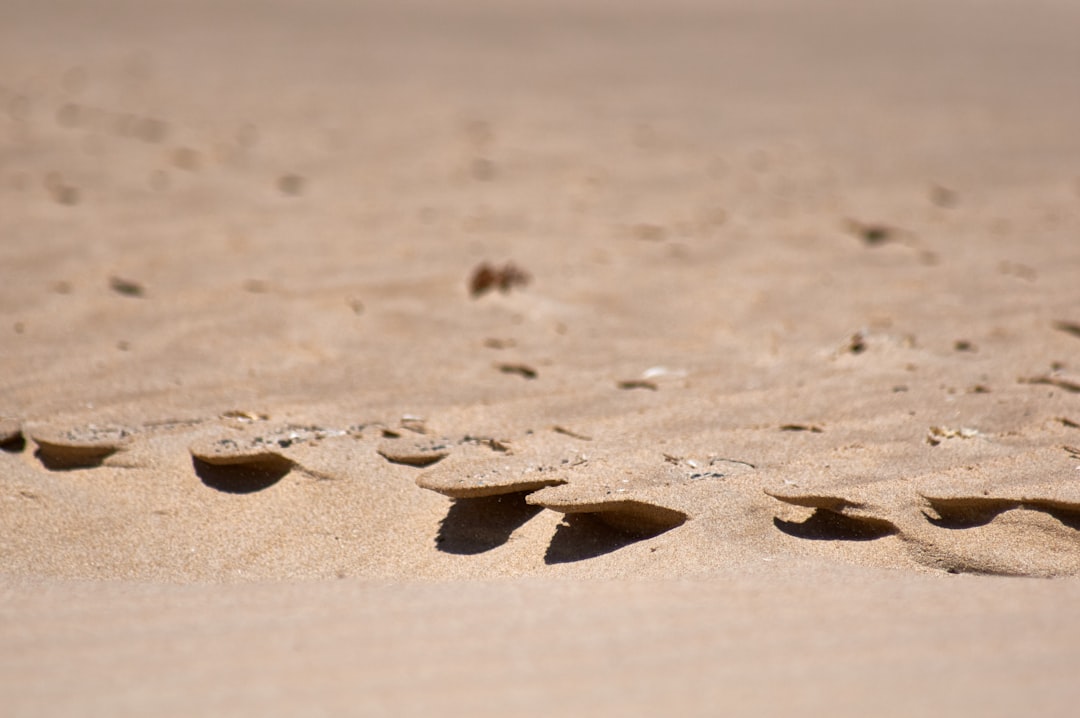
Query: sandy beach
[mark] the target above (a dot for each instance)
(392, 358)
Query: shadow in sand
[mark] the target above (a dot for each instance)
(584, 536)
(975, 512)
(960, 514)
(242, 478)
(71, 458)
(474, 526)
(14, 444)
(1068, 517)
(824, 525)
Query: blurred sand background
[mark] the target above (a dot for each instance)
(783, 413)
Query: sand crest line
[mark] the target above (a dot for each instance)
(938, 519)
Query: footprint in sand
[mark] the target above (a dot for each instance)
(61, 448)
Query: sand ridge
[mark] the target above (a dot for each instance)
(1006, 517)
(629, 357)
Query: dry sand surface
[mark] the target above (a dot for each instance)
(590, 358)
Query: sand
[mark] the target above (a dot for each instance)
(613, 359)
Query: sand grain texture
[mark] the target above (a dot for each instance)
(633, 358)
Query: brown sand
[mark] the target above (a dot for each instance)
(780, 335)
